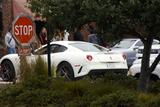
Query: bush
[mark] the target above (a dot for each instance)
(77, 88)
(154, 87)
(118, 99)
(154, 102)
(9, 94)
(36, 89)
(35, 74)
(121, 80)
(33, 98)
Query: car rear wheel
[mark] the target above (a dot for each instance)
(7, 71)
(65, 70)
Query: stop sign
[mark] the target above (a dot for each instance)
(23, 29)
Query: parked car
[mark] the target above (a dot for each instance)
(135, 69)
(129, 47)
(155, 50)
(71, 58)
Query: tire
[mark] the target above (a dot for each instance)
(65, 70)
(7, 71)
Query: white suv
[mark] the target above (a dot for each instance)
(155, 50)
(129, 47)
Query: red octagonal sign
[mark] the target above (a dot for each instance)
(23, 29)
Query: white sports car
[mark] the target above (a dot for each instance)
(135, 69)
(71, 58)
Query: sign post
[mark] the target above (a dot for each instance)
(23, 30)
(49, 49)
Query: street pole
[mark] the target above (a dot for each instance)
(48, 50)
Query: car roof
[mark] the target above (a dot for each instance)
(66, 42)
(63, 43)
(130, 39)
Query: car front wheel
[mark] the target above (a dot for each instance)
(7, 71)
(65, 70)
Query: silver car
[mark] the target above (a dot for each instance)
(129, 47)
(155, 50)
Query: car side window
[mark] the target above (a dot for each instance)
(155, 42)
(139, 43)
(54, 49)
(41, 51)
(58, 48)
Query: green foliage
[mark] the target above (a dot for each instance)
(154, 102)
(33, 98)
(117, 99)
(33, 74)
(111, 15)
(38, 90)
(155, 87)
(144, 99)
(8, 95)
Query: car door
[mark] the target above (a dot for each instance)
(57, 53)
(41, 52)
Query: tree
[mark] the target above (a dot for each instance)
(140, 18)
(61, 13)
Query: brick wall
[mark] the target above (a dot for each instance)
(6, 22)
(6, 15)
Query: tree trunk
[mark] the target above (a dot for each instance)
(145, 72)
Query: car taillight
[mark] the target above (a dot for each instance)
(89, 57)
(124, 56)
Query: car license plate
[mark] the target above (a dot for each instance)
(110, 65)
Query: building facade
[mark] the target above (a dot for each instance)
(7, 16)
(9, 9)
(1, 18)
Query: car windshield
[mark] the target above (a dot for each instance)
(87, 47)
(125, 43)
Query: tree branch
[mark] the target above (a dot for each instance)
(154, 64)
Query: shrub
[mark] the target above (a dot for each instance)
(118, 99)
(34, 75)
(154, 102)
(36, 89)
(77, 102)
(33, 98)
(154, 87)
(76, 88)
(148, 100)
(121, 80)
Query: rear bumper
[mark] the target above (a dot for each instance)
(99, 68)
(118, 71)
